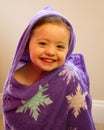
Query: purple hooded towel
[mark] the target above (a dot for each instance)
(59, 100)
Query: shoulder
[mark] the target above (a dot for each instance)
(74, 72)
(79, 62)
(69, 72)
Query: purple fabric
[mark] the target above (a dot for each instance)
(60, 100)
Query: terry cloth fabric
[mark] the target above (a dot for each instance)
(60, 100)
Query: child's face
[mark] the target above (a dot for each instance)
(48, 46)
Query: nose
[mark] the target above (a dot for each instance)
(50, 50)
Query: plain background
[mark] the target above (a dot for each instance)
(87, 17)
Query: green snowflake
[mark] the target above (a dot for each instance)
(34, 102)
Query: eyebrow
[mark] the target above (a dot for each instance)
(49, 40)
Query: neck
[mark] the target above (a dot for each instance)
(33, 73)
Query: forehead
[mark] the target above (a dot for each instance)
(50, 28)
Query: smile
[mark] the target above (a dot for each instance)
(48, 60)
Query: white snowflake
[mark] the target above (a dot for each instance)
(70, 71)
(77, 101)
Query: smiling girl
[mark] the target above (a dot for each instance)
(47, 86)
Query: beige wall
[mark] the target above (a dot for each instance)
(87, 17)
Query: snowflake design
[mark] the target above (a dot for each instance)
(34, 103)
(70, 71)
(77, 101)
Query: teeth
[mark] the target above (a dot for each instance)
(48, 60)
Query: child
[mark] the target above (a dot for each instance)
(48, 86)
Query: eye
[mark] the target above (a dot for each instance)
(60, 46)
(42, 43)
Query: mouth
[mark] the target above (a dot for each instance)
(48, 60)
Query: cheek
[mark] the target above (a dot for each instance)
(32, 53)
(63, 57)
